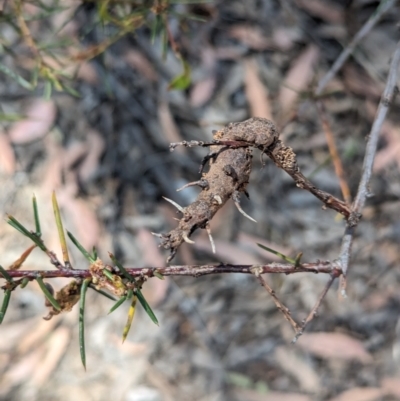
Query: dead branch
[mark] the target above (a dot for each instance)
(363, 190)
(285, 310)
(284, 158)
(312, 315)
(383, 7)
(228, 175)
(325, 267)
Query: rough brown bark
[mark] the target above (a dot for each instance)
(228, 175)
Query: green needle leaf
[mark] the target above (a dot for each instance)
(156, 27)
(146, 306)
(157, 274)
(281, 255)
(121, 301)
(118, 304)
(48, 87)
(13, 222)
(21, 81)
(298, 259)
(71, 90)
(108, 274)
(105, 294)
(36, 216)
(47, 293)
(84, 252)
(181, 81)
(5, 275)
(4, 306)
(94, 253)
(60, 228)
(82, 321)
(121, 268)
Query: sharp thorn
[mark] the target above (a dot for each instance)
(236, 200)
(171, 255)
(180, 208)
(189, 184)
(157, 235)
(187, 239)
(244, 213)
(208, 229)
(201, 183)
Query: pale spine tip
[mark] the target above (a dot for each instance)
(179, 207)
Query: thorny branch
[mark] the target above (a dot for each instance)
(228, 175)
(324, 267)
(69, 295)
(384, 104)
(230, 155)
(285, 311)
(384, 6)
(314, 310)
(363, 190)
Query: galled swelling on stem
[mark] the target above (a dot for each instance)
(228, 175)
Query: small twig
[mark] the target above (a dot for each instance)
(369, 157)
(285, 311)
(383, 7)
(314, 310)
(284, 158)
(337, 163)
(26, 34)
(189, 144)
(326, 267)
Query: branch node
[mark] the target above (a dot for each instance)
(256, 270)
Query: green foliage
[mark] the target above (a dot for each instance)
(82, 302)
(295, 261)
(102, 276)
(5, 275)
(84, 252)
(13, 222)
(48, 294)
(55, 61)
(4, 306)
(181, 81)
(137, 290)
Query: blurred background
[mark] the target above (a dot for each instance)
(93, 92)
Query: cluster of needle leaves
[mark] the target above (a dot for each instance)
(46, 65)
(109, 280)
